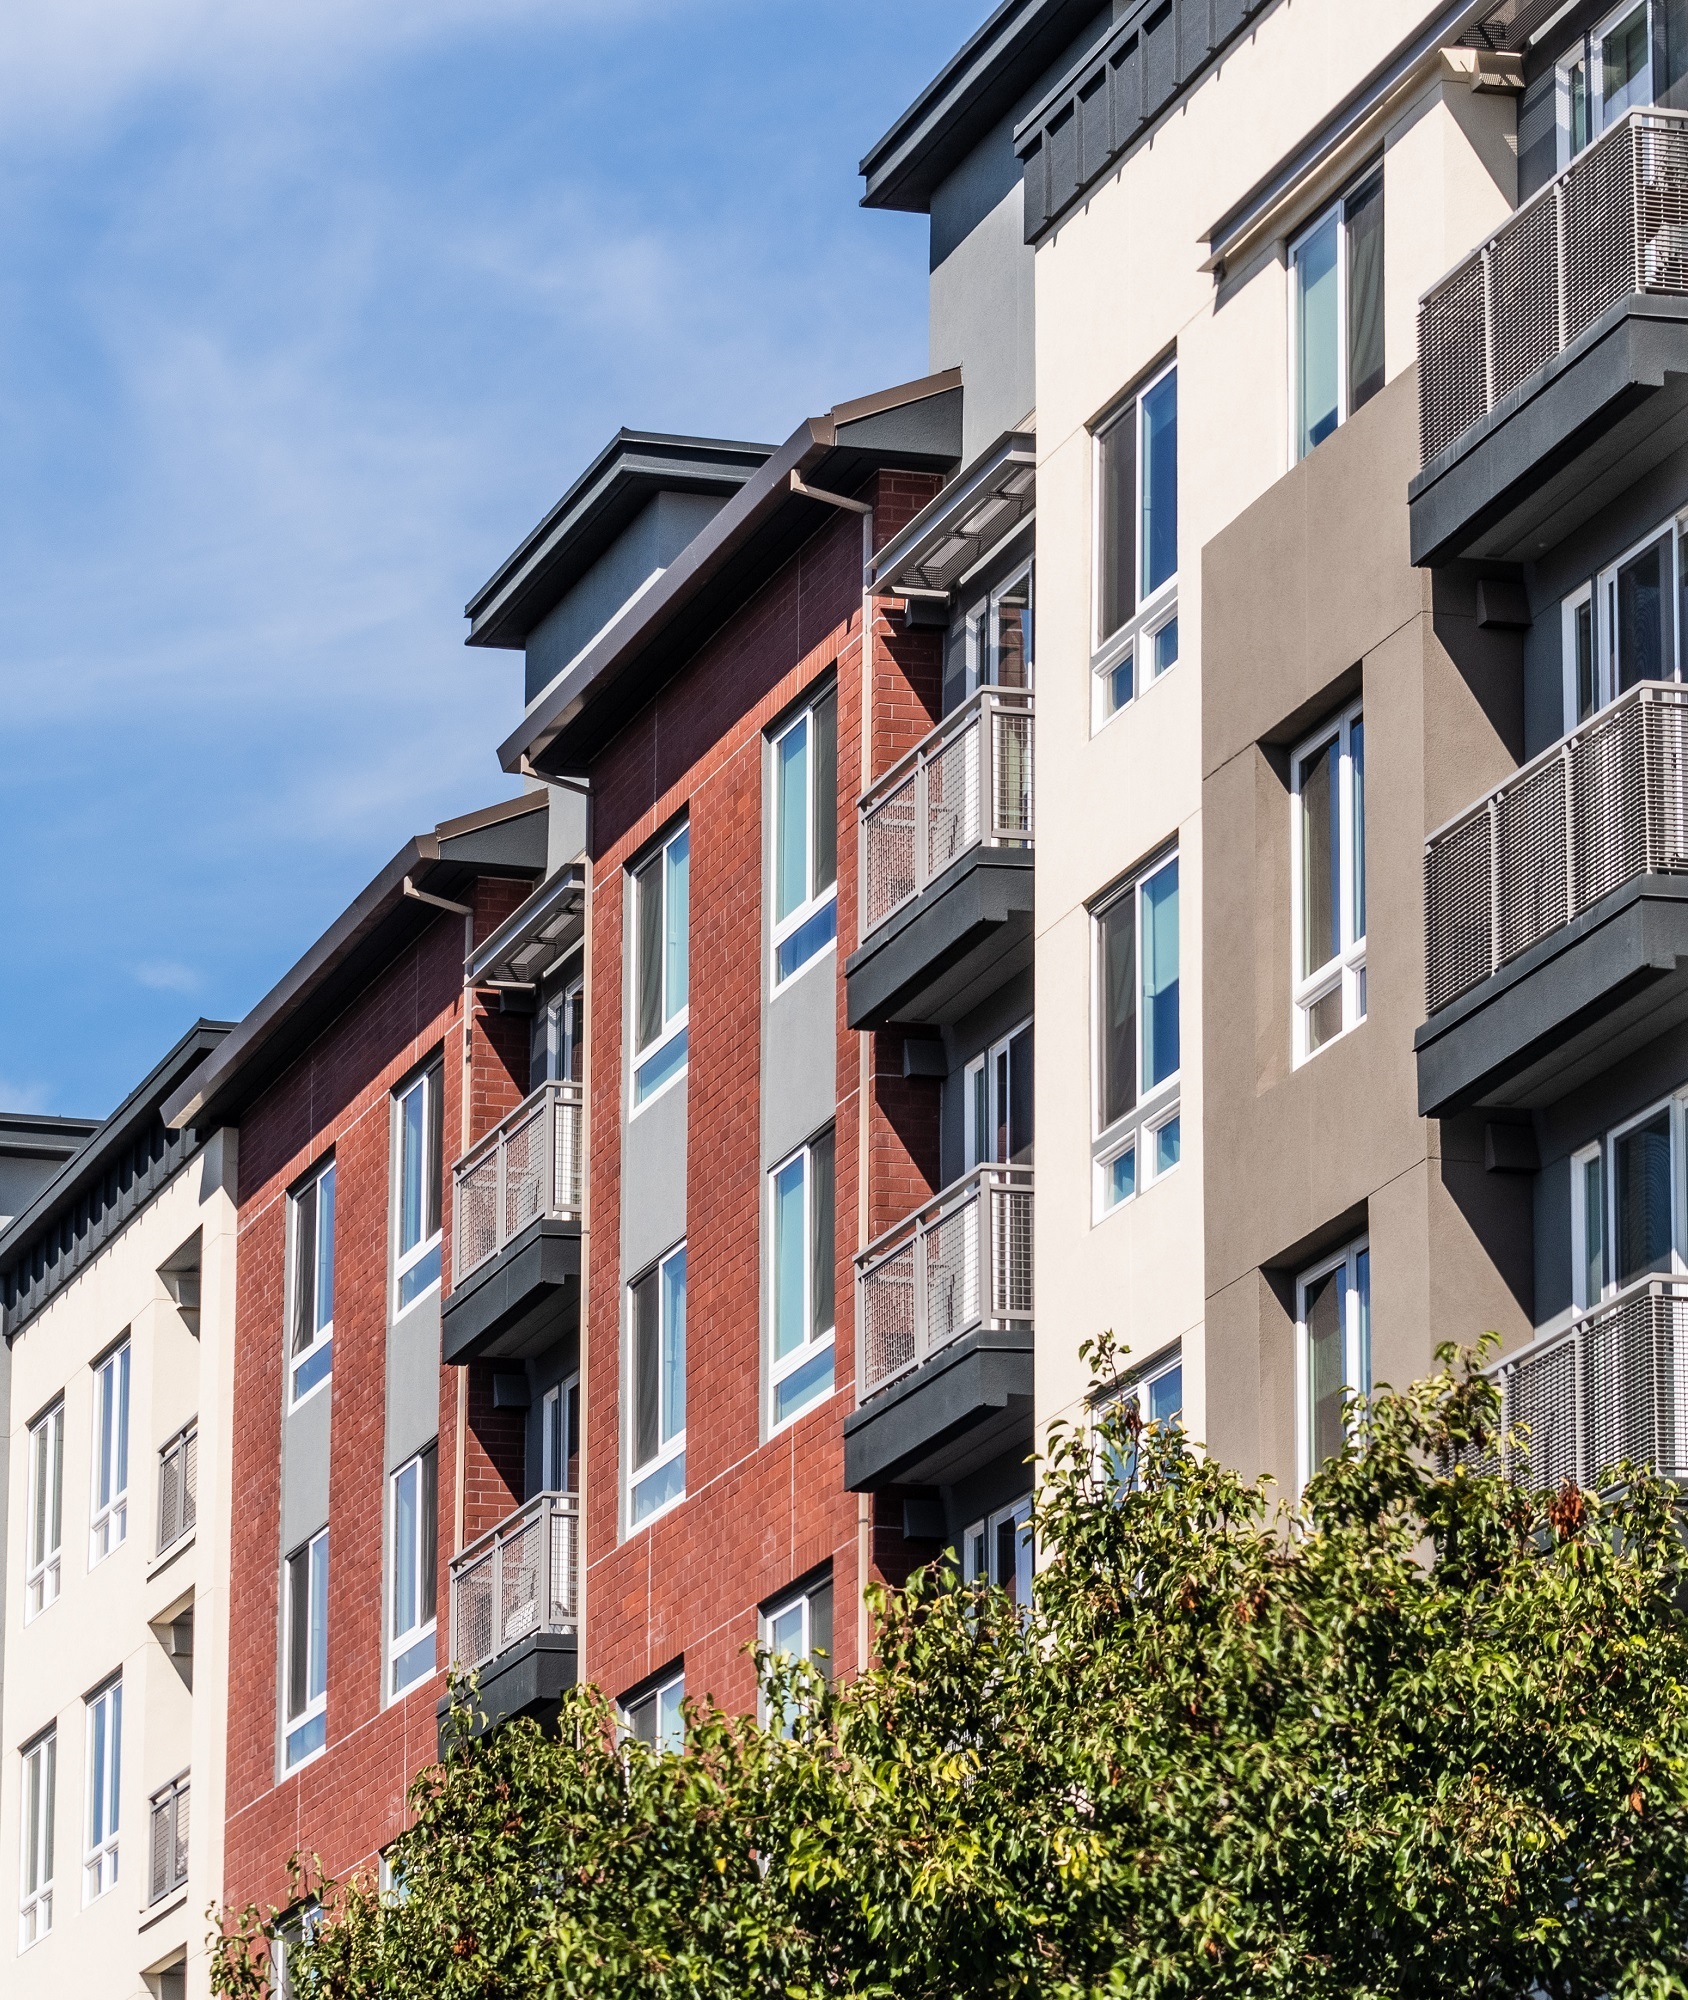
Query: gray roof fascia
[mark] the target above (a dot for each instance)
(626, 474)
(555, 903)
(941, 520)
(36, 1135)
(979, 85)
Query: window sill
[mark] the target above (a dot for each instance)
(782, 986)
(656, 1514)
(155, 1913)
(1341, 1035)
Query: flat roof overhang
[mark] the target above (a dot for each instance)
(946, 949)
(535, 936)
(519, 1302)
(974, 514)
(966, 1404)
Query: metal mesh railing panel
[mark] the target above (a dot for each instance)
(1666, 732)
(952, 1274)
(1529, 840)
(475, 1214)
(1459, 947)
(568, 1149)
(1541, 1409)
(1453, 385)
(952, 799)
(563, 1598)
(1011, 774)
(888, 1319)
(1599, 198)
(1524, 296)
(471, 1603)
(522, 1585)
(529, 1166)
(178, 1488)
(167, 1858)
(1608, 803)
(1661, 206)
(527, 1190)
(888, 853)
(1011, 1252)
(523, 1577)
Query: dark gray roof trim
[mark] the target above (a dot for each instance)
(110, 1178)
(916, 427)
(622, 479)
(1510, 24)
(35, 1135)
(505, 839)
(535, 935)
(976, 88)
(973, 514)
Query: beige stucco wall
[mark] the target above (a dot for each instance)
(106, 1617)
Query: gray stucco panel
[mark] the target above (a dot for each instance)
(413, 1380)
(800, 1058)
(304, 1470)
(653, 1180)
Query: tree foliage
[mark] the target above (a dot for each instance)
(1425, 1734)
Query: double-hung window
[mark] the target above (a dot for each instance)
(1134, 949)
(1336, 307)
(661, 943)
(559, 1437)
(46, 1510)
(1135, 477)
(800, 1628)
(997, 1106)
(1623, 627)
(417, 1134)
(310, 1281)
(35, 1888)
(999, 635)
(1627, 1204)
(1156, 1394)
(305, 1651)
(105, 1789)
(802, 1280)
(805, 846)
(414, 1560)
(1333, 1352)
(1328, 861)
(1609, 72)
(655, 1717)
(657, 1309)
(998, 1550)
(109, 1511)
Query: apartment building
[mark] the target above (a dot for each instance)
(117, 1307)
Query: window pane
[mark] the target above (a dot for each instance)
(1020, 1099)
(670, 1723)
(1314, 279)
(822, 1275)
(1625, 66)
(1357, 830)
(790, 1245)
(673, 1278)
(1121, 1174)
(1012, 666)
(1576, 81)
(1324, 1018)
(824, 786)
(324, 1251)
(428, 1479)
(406, 1531)
(1594, 1229)
(679, 866)
(1363, 213)
(1641, 1184)
(1116, 507)
(1160, 484)
(1166, 646)
(812, 935)
(1119, 683)
(820, 1630)
(107, 1421)
(319, 1617)
(1165, 1398)
(1321, 902)
(1362, 1322)
(785, 1633)
(666, 1063)
(646, 1378)
(298, 1633)
(791, 820)
(1168, 1140)
(304, 1267)
(433, 1165)
(978, 1114)
(804, 1385)
(1160, 976)
(1643, 611)
(1588, 693)
(647, 890)
(1322, 1311)
(411, 1148)
(1117, 950)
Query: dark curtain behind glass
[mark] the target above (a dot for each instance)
(1365, 291)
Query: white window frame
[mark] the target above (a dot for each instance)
(978, 1547)
(667, 1450)
(1584, 52)
(44, 1512)
(1580, 598)
(420, 1264)
(782, 1367)
(1139, 634)
(819, 899)
(984, 631)
(404, 1647)
(38, 1762)
(1601, 590)
(565, 1037)
(1604, 1149)
(108, 1504)
(102, 1805)
(315, 1705)
(315, 1359)
(1348, 967)
(676, 1024)
(559, 1440)
(662, 1699)
(1356, 1344)
(1297, 243)
(1137, 1391)
(1137, 1131)
(802, 1602)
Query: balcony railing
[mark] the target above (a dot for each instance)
(526, 1167)
(178, 1487)
(963, 1261)
(1612, 1387)
(1607, 804)
(1613, 223)
(168, 1840)
(968, 784)
(521, 1577)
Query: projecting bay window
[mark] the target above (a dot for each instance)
(35, 1888)
(1623, 626)
(1627, 1201)
(999, 1550)
(1328, 867)
(305, 1651)
(999, 636)
(997, 1107)
(1333, 1353)
(803, 1283)
(412, 1575)
(417, 1133)
(1135, 509)
(1336, 307)
(109, 1508)
(654, 1718)
(1609, 72)
(661, 945)
(1138, 1135)
(805, 845)
(105, 1789)
(310, 1282)
(657, 1338)
(46, 1511)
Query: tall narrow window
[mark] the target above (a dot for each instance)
(105, 1789)
(1588, 1227)
(1609, 72)
(658, 1312)
(1136, 560)
(1626, 626)
(805, 845)
(46, 1510)
(999, 636)
(1336, 289)
(559, 1433)
(109, 1514)
(999, 1550)
(1334, 1364)
(997, 1111)
(1328, 855)
(655, 1718)
(565, 1035)
(801, 1195)
(305, 1650)
(418, 1124)
(1156, 1394)
(800, 1628)
(310, 1306)
(661, 943)
(1137, 1036)
(40, 1786)
(1625, 1218)
(413, 1579)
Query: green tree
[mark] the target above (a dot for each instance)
(1424, 1734)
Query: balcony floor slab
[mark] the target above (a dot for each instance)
(519, 1301)
(530, 1679)
(965, 1405)
(943, 952)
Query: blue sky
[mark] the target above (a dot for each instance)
(307, 313)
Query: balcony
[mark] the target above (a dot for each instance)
(515, 1247)
(1556, 913)
(515, 1608)
(944, 1336)
(1612, 1387)
(167, 1840)
(178, 1487)
(1554, 359)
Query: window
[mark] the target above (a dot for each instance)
(1138, 1135)
(1336, 302)
(658, 1302)
(661, 927)
(1136, 567)
(1333, 1358)
(1156, 1393)
(178, 1487)
(559, 1437)
(299, 1926)
(305, 1659)
(563, 1055)
(802, 1285)
(310, 1236)
(40, 1783)
(105, 1785)
(999, 1550)
(167, 1844)
(999, 636)
(805, 776)
(1609, 72)
(655, 1718)
(997, 1108)
(1623, 627)
(109, 1515)
(417, 1118)
(1626, 1203)
(413, 1570)
(46, 1510)
(1328, 861)
(800, 1628)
